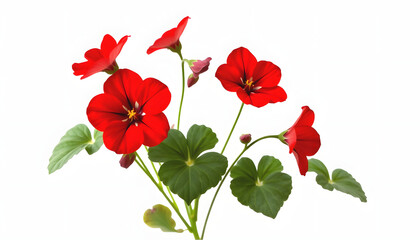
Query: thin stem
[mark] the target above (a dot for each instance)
(183, 89)
(226, 174)
(174, 206)
(233, 127)
(193, 221)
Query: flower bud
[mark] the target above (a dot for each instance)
(197, 67)
(127, 160)
(192, 80)
(245, 138)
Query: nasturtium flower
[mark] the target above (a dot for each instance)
(129, 112)
(197, 67)
(170, 39)
(302, 138)
(99, 60)
(255, 82)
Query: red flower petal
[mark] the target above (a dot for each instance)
(170, 37)
(105, 109)
(308, 141)
(107, 45)
(155, 129)
(242, 59)
(99, 59)
(123, 137)
(125, 85)
(302, 162)
(116, 51)
(93, 54)
(266, 74)
(230, 77)
(306, 118)
(154, 96)
(274, 94)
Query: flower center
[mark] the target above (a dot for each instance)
(249, 85)
(132, 115)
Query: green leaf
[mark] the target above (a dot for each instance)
(190, 180)
(323, 177)
(341, 180)
(200, 139)
(160, 217)
(184, 171)
(174, 147)
(75, 140)
(263, 190)
(97, 143)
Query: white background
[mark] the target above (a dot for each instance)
(355, 63)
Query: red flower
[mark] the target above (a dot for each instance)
(170, 39)
(303, 140)
(254, 82)
(100, 59)
(129, 112)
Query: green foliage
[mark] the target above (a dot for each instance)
(160, 217)
(75, 140)
(263, 190)
(341, 180)
(97, 144)
(184, 170)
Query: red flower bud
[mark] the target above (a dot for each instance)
(127, 160)
(245, 138)
(192, 80)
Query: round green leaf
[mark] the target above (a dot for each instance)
(199, 139)
(190, 179)
(174, 147)
(263, 190)
(75, 140)
(160, 217)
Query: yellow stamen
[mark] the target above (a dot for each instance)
(131, 114)
(249, 83)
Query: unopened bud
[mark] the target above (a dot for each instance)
(127, 160)
(245, 138)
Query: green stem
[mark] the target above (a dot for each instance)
(227, 173)
(193, 220)
(233, 127)
(173, 204)
(183, 89)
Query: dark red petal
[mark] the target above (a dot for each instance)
(306, 118)
(155, 129)
(266, 74)
(116, 51)
(123, 137)
(169, 37)
(307, 140)
(125, 85)
(302, 162)
(153, 96)
(93, 54)
(107, 45)
(274, 94)
(242, 59)
(230, 77)
(105, 109)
